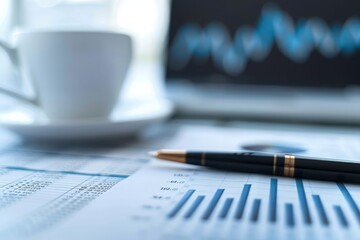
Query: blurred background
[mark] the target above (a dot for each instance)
(283, 60)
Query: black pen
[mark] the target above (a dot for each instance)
(285, 165)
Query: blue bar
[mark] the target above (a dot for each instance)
(194, 206)
(242, 201)
(289, 215)
(303, 202)
(272, 200)
(212, 204)
(321, 210)
(341, 216)
(181, 203)
(255, 210)
(350, 200)
(226, 208)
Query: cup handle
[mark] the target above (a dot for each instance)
(12, 54)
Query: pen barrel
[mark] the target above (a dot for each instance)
(279, 165)
(327, 164)
(275, 160)
(283, 172)
(199, 158)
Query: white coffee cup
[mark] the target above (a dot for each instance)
(75, 74)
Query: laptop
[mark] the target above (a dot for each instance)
(287, 60)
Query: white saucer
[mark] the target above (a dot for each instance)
(127, 119)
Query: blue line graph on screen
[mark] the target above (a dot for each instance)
(295, 40)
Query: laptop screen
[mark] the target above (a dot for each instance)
(256, 42)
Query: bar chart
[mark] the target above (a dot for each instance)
(188, 203)
(234, 208)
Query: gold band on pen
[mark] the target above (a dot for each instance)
(203, 159)
(274, 164)
(287, 165)
(292, 166)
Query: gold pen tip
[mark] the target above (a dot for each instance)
(169, 155)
